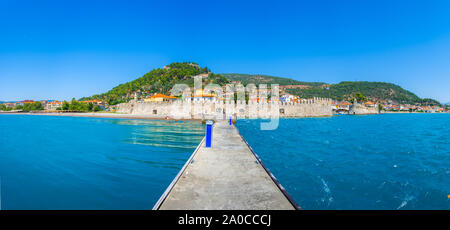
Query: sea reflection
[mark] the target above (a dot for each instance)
(160, 133)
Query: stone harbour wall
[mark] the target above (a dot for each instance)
(317, 107)
(358, 109)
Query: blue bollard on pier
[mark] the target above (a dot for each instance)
(209, 125)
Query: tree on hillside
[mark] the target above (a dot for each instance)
(430, 102)
(359, 97)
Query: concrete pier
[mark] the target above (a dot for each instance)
(227, 176)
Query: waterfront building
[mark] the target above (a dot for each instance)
(160, 97)
(369, 104)
(53, 105)
(24, 102)
(288, 98)
(344, 106)
(440, 110)
(334, 106)
(10, 105)
(101, 104)
(44, 103)
(202, 96)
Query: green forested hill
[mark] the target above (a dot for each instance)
(374, 90)
(159, 80)
(378, 91)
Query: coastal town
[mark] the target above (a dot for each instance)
(355, 103)
(337, 107)
(154, 87)
(49, 105)
(216, 114)
(343, 107)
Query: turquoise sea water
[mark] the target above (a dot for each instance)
(90, 163)
(389, 161)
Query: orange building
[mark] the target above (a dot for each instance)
(160, 97)
(96, 103)
(53, 105)
(369, 104)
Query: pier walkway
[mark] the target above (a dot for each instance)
(227, 176)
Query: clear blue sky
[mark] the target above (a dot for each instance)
(64, 49)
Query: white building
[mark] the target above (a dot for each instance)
(287, 98)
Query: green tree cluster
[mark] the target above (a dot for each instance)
(78, 106)
(35, 106)
(360, 98)
(3, 107)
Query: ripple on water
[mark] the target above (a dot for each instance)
(386, 161)
(90, 163)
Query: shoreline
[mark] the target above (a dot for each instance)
(125, 116)
(403, 112)
(150, 117)
(100, 115)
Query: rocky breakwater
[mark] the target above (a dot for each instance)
(359, 109)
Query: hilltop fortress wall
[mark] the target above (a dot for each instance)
(317, 107)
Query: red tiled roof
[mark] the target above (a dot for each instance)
(160, 95)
